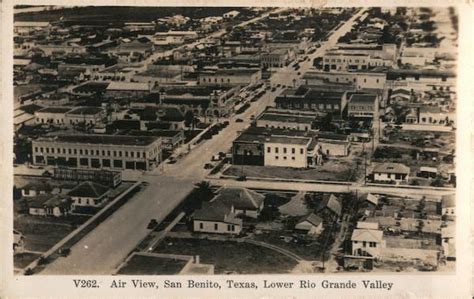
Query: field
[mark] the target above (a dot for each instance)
(229, 256)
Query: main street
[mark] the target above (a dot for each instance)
(103, 249)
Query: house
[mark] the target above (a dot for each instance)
(428, 172)
(448, 205)
(311, 224)
(330, 206)
(388, 172)
(18, 242)
(216, 217)
(56, 205)
(35, 188)
(448, 242)
(89, 194)
(367, 240)
(244, 201)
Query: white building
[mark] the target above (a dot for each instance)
(388, 172)
(216, 217)
(367, 240)
(289, 151)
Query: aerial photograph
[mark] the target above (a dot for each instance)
(234, 140)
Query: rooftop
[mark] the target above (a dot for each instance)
(89, 189)
(128, 86)
(288, 140)
(86, 110)
(367, 235)
(240, 198)
(286, 118)
(103, 139)
(358, 98)
(331, 202)
(311, 218)
(55, 110)
(391, 168)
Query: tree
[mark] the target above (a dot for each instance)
(204, 191)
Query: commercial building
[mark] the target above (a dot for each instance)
(230, 77)
(362, 105)
(374, 79)
(285, 120)
(290, 151)
(310, 99)
(98, 151)
(69, 116)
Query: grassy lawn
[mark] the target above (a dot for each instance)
(332, 170)
(241, 258)
(39, 234)
(21, 260)
(150, 265)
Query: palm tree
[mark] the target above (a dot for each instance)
(204, 191)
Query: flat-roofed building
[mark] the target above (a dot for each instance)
(310, 99)
(86, 115)
(52, 115)
(98, 151)
(285, 120)
(373, 79)
(230, 77)
(362, 105)
(288, 151)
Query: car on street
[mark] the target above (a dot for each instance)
(208, 165)
(152, 224)
(239, 120)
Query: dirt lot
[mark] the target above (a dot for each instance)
(427, 242)
(332, 170)
(149, 265)
(229, 256)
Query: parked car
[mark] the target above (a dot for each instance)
(152, 224)
(208, 166)
(239, 120)
(64, 251)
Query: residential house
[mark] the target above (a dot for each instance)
(391, 172)
(216, 217)
(448, 205)
(367, 240)
(89, 194)
(56, 205)
(35, 188)
(310, 224)
(245, 202)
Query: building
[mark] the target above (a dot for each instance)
(127, 90)
(276, 58)
(56, 205)
(133, 51)
(104, 177)
(448, 205)
(216, 217)
(435, 116)
(89, 194)
(390, 172)
(171, 139)
(230, 77)
(363, 105)
(85, 115)
(309, 99)
(35, 188)
(334, 144)
(231, 14)
(373, 79)
(400, 95)
(290, 151)
(211, 101)
(98, 151)
(367, 240)
(244, 201)
(285, 120)
(310, 224)
(52, 115)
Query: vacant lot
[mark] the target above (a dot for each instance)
(230, 256)
(40, 235)
(445, 141)
(332, 170)
(150, 265)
